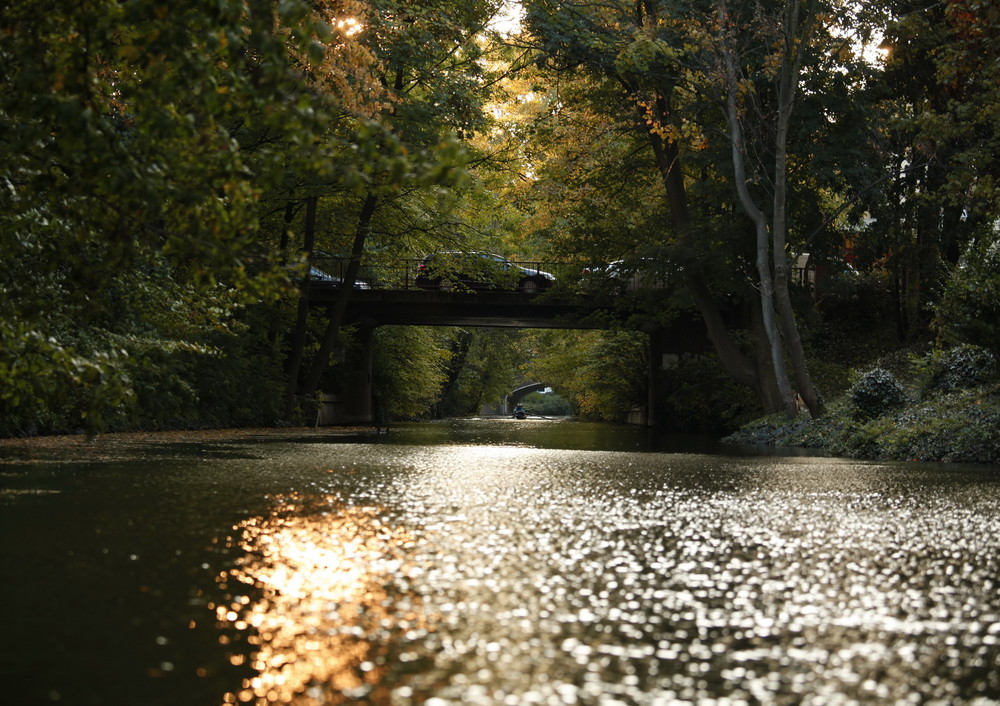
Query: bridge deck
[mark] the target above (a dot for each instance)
(375, 307)
(388, 294)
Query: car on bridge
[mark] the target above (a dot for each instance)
(478, 271)
(319, 278)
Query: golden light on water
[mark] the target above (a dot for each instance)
(321, 577)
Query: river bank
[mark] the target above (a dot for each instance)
(90, 448)
(938, 408)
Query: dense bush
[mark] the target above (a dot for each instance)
(877, 392)
(957, 368)
(956, 425)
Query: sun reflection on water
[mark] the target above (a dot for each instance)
(556, 577)
(321, 574)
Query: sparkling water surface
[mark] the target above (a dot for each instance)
(493, 562)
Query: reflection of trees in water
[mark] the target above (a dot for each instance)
(327, 624)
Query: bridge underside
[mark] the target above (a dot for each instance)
(432, 308)
(372, 308)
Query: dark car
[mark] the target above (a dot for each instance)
(478, 271)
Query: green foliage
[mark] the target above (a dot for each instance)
(955, 368)
(146, 148)
(130, 176)
(702, 399)
(970, 307)
(958, 421)
(484, 368)
(139, 376)
(547, 404)
(50, 385)
(601, 373)
(408, 371)
(963, 124)
(876, 393)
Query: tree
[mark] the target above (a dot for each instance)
(938, 143)
(620, 48)
(635, 54)
(789, 37)
(484, 368)
(428, 66)
(139, 139)
(967, 71)
(969, 311)
(408, 370)
(601, 373)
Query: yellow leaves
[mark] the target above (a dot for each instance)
(339, 64)
(772, 62)
(686, 132)
(349, 26)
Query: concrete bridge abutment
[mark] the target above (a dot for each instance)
(352, 402)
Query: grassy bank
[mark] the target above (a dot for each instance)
(943, 406)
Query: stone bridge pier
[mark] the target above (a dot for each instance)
(352, 402)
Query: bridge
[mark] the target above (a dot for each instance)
(506, 404)
(384, 307)
(390, 294)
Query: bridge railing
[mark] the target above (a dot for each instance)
(388, 274)
(401, 274)
(392, 274)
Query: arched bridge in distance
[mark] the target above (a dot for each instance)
(391, 295)
(518, 394)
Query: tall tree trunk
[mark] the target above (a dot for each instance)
(322, 360)
(769, 394)
(776, 304)
(299, 336)
(668, 163)
(736, 364)
(286, 233)
(788, 78)
(768, 316)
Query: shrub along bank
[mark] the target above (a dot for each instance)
(942, 406)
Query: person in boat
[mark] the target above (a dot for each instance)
(519, 412)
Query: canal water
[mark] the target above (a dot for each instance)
(491, 562)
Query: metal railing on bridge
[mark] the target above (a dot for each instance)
(401, 273)
(390, 274)
(408, 274)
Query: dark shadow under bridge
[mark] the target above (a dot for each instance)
(390, 295)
